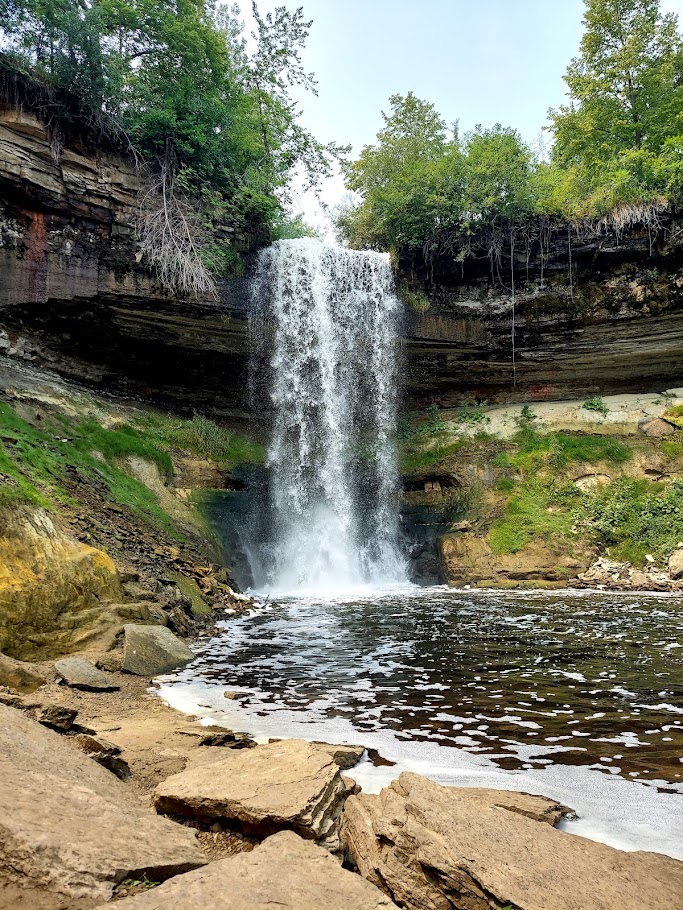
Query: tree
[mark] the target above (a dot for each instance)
(626, 100)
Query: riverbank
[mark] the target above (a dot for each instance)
(227, 796)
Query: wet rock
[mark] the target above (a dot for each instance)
(19, 676)
(469, 849)
(676, 563)
(153, 650)
(81, 674)
(70, 826)
(284, 872)
(289, 784)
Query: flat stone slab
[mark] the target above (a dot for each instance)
(287, 784)
(68, 825)
(471, 849)
(284, 872)
(81, 674)
(153, 650)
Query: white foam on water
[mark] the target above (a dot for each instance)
(626, 814)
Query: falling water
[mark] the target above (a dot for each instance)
(329, 317)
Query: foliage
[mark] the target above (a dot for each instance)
(536, 450)
(473, 415)
(214, 126)
(533, 511)
(638, 517)
(617, 156)
(597, 405)
(200, 436)
(621, 136)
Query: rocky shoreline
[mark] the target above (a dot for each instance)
(110, 795)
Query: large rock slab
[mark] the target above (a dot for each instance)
(153, 650)
(432, 847)
(284, 872)
(68, 825)
(288, 784)
(81, 674)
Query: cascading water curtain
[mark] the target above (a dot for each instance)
(328, 319)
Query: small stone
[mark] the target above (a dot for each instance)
(104, 753)
(56, 717)
(656, 427)
(81, 674)
(344, 756)
(228, 739)
(153, 650)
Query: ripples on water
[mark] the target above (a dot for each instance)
(520, 690)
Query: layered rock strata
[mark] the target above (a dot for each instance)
(429, 846)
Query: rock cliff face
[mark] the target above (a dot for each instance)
(594, 312)
(75, 295)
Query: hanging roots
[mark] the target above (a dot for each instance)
(171, 235)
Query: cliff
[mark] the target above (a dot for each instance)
(77, 296)
(596, 310)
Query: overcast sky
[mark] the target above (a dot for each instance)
(478, 61)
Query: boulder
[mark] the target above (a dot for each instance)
(284, 872)
(153, 650)
(676, 563)
(470, 849)
(54, 590)
(656, 427)
(19, 676)
(81, 674)
(70, 826)
(288, 784)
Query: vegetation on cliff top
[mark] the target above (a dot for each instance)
(617, 152)
(213, 124)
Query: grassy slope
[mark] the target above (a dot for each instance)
(532, 494)
(44, 460)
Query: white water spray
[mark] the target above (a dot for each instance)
(334, 492)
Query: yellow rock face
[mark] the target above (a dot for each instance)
(54, 591)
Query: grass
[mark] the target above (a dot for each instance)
(43, 464)
(536, 510)
(534, 451)
(202, 437)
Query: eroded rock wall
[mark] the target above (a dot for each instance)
(76, 294)
(614, 323)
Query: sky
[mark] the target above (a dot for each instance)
(477, 61)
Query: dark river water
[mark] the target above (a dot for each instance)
(577, 695)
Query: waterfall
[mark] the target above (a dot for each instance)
(328, 320)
